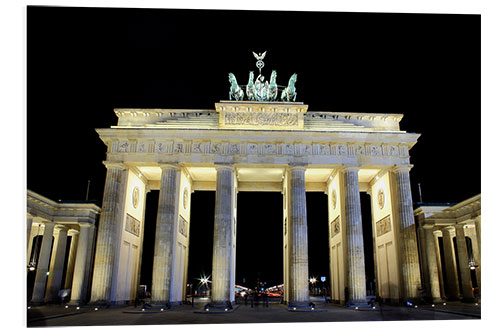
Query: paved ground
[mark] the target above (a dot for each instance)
(276, 313)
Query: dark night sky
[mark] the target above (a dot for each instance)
(83, 62)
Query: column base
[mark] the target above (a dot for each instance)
(221, 304)
(161, 304)
(216, 307)
(106, 304)
(301, 305)
(361, 303)
(469, 300)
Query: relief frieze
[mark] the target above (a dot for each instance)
(132, 225)
(123, 147)
(261, 118)
(335, 227)
(383, 226)
(196, 147)
(183, 226)
(265, 148)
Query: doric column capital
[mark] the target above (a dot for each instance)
(48, 223)
(428, 225)
(449, 229)
(61, 227)
(437, 232)
(298, 167)
(114, 165)
(354, 168)
(399, 168)
(73, 232)
(224, 166)
(165, 166)
(85, 225)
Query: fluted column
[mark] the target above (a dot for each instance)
(57, 264)
(356, 279)
(71, 258)
(450, 263)
(166, 234)
(408, 237)
(297, 221)
(90, 247)
(432, 267)
(43, 264)
(77, 286)
(463, 259)
(106, 240)
(29, 223)
(477, 225)
(222, 261)
(477, 255)
(437, 234)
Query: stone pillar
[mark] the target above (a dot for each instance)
(297, 227)
(77, 296)
(222, 263)
(88, 267)
(477, 224)
(432, 267)
(476, 254)
(106, 240)
(450, 263)
(407, 235)
(437, 234)
(29, 223)
(463, 260)
(57, 264)
(166, 234)
(43, 264)
(356, 279)
(71, 258)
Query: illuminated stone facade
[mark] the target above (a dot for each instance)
(256, 146)
(49, 224)
(459, 228)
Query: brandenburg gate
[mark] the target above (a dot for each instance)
(256, 146)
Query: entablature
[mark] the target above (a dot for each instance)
(247, 115)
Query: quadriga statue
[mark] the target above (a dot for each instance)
(289, 94)
(250, 88)
(235, 93)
